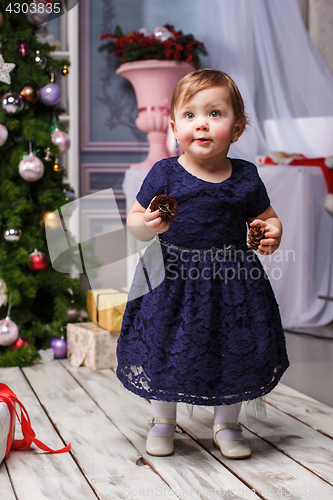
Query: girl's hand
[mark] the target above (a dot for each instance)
(273, 237)
(154, 221)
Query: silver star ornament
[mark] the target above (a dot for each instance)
(5, 69)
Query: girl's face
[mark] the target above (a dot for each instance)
(206, 125)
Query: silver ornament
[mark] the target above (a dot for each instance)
(40, 60)
(36, 16)
(162, 34)
(72, 315)
(31, 168)
(8, 332)
(12, 103)
(12, 234)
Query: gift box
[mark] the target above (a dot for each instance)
(106, 307)
(7, 430)
(9, 407)
(92, 346)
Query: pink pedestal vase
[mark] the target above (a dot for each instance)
(153, 82)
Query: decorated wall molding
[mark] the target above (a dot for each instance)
(122, 111)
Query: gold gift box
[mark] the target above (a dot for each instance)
(106, 307)
(91, 346)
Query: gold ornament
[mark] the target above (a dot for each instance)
(57, 167)
(29, 93)
(65, 71)
(52, 219)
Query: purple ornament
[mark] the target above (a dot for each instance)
(31, 168)
(62, 140)
(23, 48)
(59, 347)
(50, 94)
(71, 197)
(12, 103)
(8, 332)
(3, 135)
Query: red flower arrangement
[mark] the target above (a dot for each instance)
(164, 44)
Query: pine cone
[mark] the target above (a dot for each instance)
(256, 234)
(167, 206)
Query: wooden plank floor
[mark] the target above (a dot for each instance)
(107, 425)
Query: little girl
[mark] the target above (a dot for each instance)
(210, 333)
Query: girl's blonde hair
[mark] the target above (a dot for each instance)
(203, 79)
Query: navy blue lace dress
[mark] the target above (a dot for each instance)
(209, 332)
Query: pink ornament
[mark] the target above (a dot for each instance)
(62, 140)
(59, 347)
(145, 32)
(8, 332)
(31, 168)
(3, 135)
(23, 48)
(161, 33)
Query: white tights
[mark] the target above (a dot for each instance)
(228, 414)
(166, 410)
(222, 414)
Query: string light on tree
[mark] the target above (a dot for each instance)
(53, 221)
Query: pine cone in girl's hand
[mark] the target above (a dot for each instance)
(167, 206)
(256, 234)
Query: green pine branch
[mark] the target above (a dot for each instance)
(39, 300)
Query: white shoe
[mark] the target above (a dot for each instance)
(160, 446)
(231, 449)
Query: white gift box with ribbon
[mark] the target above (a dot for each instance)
(5, 429)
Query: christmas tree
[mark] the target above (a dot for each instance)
(34, 298)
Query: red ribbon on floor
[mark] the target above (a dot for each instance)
(7, 396)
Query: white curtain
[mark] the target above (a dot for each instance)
(286, 85)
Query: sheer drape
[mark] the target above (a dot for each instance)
(286, 85)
